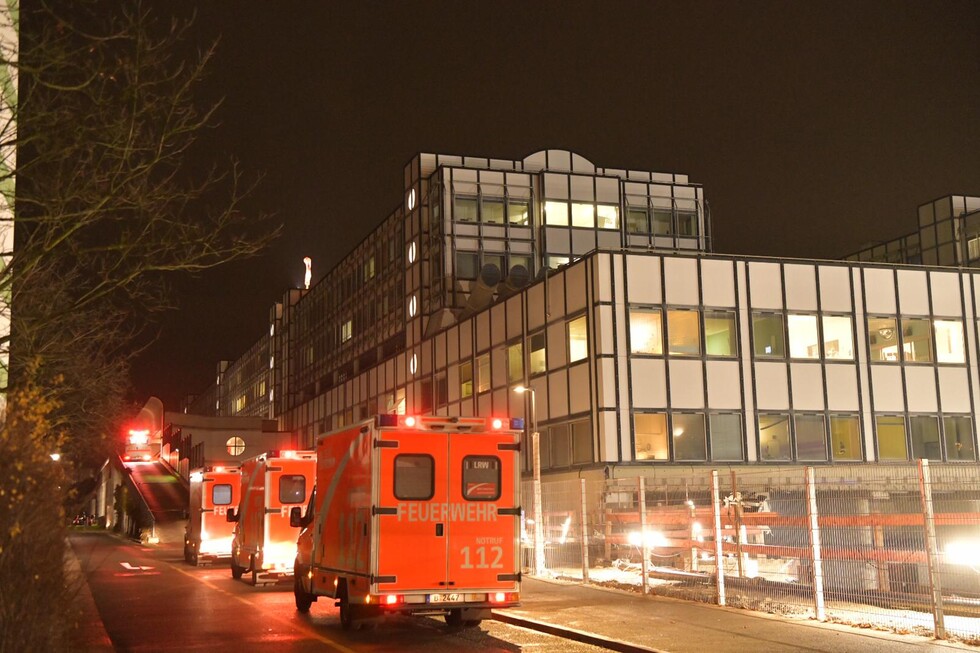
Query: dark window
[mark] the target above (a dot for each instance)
(637, 221)
(481, 478)
(292, 488)
(221, 494)
(467, 264)
(415, 477)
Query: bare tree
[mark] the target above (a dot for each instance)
(107, 202)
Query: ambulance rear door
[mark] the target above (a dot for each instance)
(483, 495)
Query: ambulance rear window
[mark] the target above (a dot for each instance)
(292, 488)
(481, 478)
(415, 477)
(221, 494)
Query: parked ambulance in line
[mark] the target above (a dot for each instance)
(213, 491)
(264, 543)
(416, 515)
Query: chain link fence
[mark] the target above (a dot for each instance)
(892, 547)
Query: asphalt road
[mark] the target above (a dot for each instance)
(149, 599)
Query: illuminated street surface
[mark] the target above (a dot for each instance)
(150, 600)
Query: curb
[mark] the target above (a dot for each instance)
(574, 634)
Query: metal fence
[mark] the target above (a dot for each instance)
(891, 547)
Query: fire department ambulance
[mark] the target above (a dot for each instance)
(213, 491)
(417, 515)
(264, 543)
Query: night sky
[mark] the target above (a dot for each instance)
(815, 128)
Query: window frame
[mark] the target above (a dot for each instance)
(432, 477)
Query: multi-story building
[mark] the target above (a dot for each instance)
(596, 288)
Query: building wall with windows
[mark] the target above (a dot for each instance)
(948, 234)
(644, 350)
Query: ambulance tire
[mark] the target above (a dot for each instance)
(236, 571)
(346, 614)
(303, 598)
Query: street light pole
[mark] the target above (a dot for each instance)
(539, 563)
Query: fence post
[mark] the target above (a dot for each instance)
(739, 527)
(719, 561)
(585, 535)
(815, 556)
(645, 572)
(935, 586)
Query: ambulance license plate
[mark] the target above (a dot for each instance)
(445, 598)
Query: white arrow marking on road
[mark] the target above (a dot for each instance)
(130, 567)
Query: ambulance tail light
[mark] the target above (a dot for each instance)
(393, 599)
(288, 454)
(146, 457)
(496, 423)
(410, 421)
(504, 597)
(219, 469)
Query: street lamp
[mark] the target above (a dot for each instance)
(536, 483)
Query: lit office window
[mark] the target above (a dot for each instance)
(556, 213)
(537, 360)
(650, 431)
(917, 340)
(492, 210)
(412, 306)
(518, 211)
(608, 216)
(767, 335)
(583, 215)
(925, 437)
(683, 333)
(235, 446)
(346, 330)
(688, 436)
(515, 363)
(803, 340)
(646, 332)
(726, 436)
(637, 220)
(845, 437)
(466, 379)
(719, 333)
(465, 208)
(412, 251)
(555, 262)
(883, 340)
(483, 372)
(811, 437)
(774, 443)
(949, 341)
(578, 340)
(891, 437)
(958, 430)
(838, 337)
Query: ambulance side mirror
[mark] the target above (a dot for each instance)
(296, 517)
(231, 515)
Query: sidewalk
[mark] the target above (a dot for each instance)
(631, 622)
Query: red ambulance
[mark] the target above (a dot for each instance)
(416, 515)
(213, 491)
(264, 543)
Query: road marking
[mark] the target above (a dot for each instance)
(285, 622)
(130, 567)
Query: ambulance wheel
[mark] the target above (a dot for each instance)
(236, 571)
(303, 598)
(187, 553)
(346, 614)
(194, 561)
